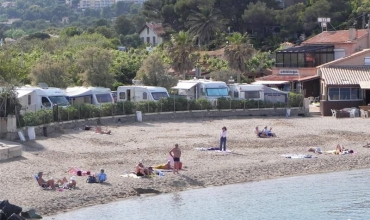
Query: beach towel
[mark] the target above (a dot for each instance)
(297, 156)
(225, 152)
(132, 175)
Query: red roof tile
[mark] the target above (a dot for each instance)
(156, 27)
(341, 36)
(286, 78)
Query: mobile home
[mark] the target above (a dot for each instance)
(202, 88)
(141, 93)
(36, 98)
(257, 92)
(89, 95)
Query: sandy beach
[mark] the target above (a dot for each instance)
(251, 159)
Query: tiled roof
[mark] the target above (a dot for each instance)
(345, 75)
(156, 27)
(342, 36)
(278, 78)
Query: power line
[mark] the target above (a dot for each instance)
(347, 21)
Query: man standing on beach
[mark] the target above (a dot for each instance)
(176, 154)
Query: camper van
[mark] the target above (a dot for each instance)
(257, 92)
(36, 98)
(141, 93)
(202, 88)
(89, 95)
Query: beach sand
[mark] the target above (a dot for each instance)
(252, 158)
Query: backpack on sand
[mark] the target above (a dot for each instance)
(91, 179)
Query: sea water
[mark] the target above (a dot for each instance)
(341, 195)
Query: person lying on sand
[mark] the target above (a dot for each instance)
(43, 183)
(316, 150)
(100, 131)
(67, 184)
(165, 166)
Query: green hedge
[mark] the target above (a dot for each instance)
(85, 111)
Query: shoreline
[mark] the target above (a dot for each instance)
(153, 194)
(252, 159)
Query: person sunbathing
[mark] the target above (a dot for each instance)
(67, 184)
(43, 183)
(100, 131)
(165, 166)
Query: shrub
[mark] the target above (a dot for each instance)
(295, 100)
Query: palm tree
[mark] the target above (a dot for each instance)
(238, 52)
(180, 50)
(204, 23)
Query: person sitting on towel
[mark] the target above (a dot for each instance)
(165, 166)
(102, 176)
(43, 183)
(259, 133)
(67, 184)
(140, 169)
(267, 132)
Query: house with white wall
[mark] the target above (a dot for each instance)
(152, 33)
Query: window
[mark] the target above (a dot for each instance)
(148, 40)
(104, 98)
(145, 96)
(217, 92)
(344, 94)
(122, 95)
(236, 94)
(29, 99)
(45, 102)
(59, 100)
(252, 95)
(153, 40)
(159, 95)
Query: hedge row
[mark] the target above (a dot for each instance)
(84, 111)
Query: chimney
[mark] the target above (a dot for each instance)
(352, 34)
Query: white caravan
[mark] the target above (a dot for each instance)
(141, 93)
(202, 88)
(36, 98)
(257, 92)
(89, 95)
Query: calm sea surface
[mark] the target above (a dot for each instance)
(342, 195)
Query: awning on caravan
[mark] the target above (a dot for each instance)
(365, 84)
(270, 82)
(187, 85)
(21, 93)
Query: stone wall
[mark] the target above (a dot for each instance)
(44, 130)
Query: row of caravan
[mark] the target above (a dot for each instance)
(212, 90)
(36, 98)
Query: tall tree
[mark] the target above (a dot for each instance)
(51, 72)
(258, 17)
(95, 63)
(153, 72)
(204, 23)
(238, 52)
(180, 50)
